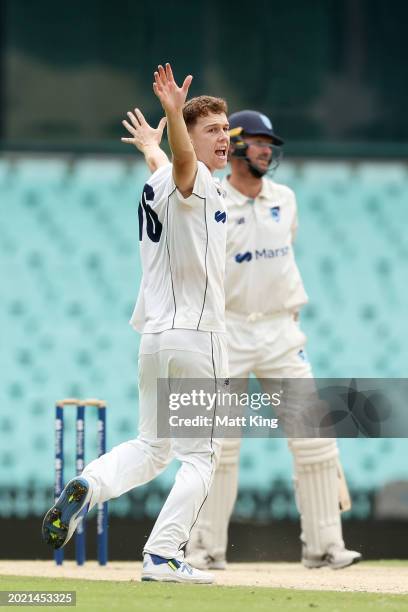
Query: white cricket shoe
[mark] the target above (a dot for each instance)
(337, 557)
(159, 569)
(202, 560)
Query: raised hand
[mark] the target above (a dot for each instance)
(171, 96)
(143, 134)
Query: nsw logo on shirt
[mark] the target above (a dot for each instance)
(220, 216)
(240, 257)
(303, 355)
(275, 213)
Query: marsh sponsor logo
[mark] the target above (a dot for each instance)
(271, 253)
(240, 257)
(262, 254)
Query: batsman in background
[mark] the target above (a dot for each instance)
(264, 294)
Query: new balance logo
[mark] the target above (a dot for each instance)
(185, 567)
(240, 257)
(220, 216)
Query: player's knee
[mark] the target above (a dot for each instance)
(158, 450)
(313, 450)
(229, 452)
(205, 465)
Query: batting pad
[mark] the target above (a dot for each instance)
(317, 496)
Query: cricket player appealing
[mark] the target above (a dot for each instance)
(180, 313)
(264, 293)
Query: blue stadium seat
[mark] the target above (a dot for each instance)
(70, 271)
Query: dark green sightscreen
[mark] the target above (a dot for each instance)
(330, 73)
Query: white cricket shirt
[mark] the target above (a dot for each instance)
(182, 249)
(261, 271)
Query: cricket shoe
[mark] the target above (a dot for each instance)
(159, 569)
(61, 521)
(337, 557)
(217, 564)
(202, 560)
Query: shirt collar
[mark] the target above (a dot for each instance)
(240, 199)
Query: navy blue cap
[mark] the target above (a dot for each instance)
(252, 123)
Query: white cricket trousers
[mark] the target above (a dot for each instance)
(173, 354)
(273, 348)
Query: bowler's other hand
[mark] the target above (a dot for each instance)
(143, 134)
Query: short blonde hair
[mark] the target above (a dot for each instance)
(201, 106)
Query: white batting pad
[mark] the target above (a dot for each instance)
(317, 494)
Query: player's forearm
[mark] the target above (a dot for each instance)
(184, 157)
(155, 157)
(179, 140)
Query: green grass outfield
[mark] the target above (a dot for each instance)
(149, 597)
